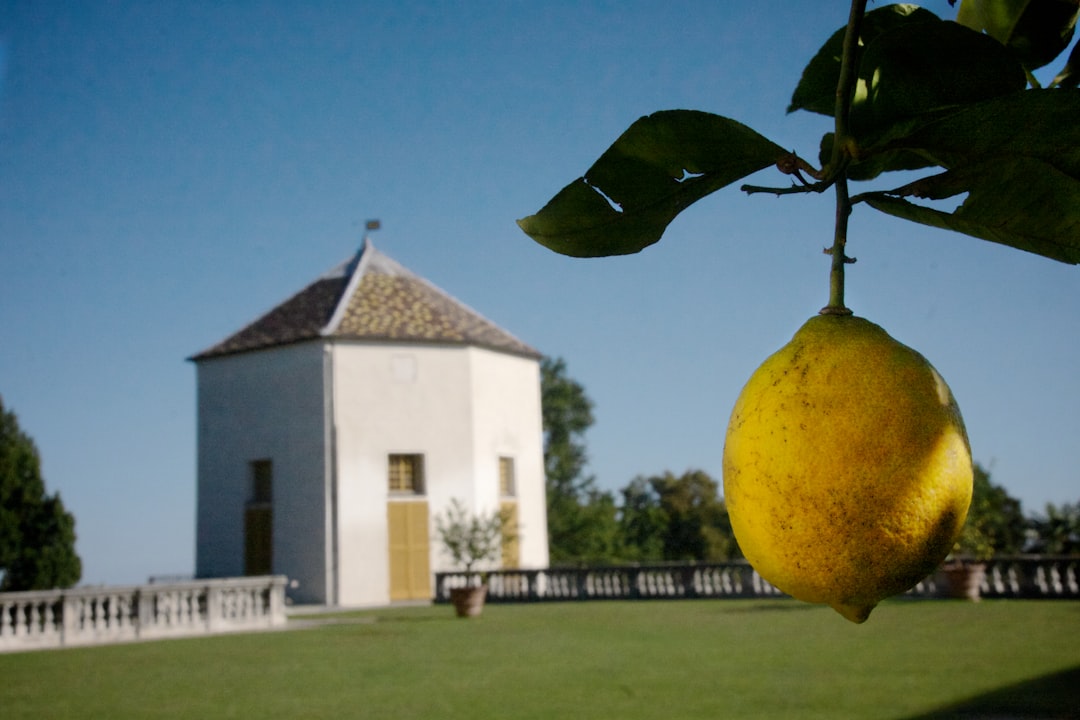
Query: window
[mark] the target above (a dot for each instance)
(262, 481)
(407, 474)
(507, 483)
(259, 519)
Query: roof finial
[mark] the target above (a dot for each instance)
(369, 226)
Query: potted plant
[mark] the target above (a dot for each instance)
(470, 539)
(995, 524)
(965, 569)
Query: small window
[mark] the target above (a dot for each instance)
(507, 482)
(262, 481)
(407, 474)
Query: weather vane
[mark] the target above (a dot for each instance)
(369, 226)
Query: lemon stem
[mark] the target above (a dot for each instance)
(839, 259)
(841, 155)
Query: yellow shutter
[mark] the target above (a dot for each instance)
(410, 550)
(511, 550)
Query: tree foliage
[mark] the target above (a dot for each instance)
(472, 539)
(957, 99)
(642, 522)
(1057, 531)
(682, 518)
(37, 535)
(581, 518)
(995, 523)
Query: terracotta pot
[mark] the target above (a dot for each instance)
(964, 580)
(468, 601)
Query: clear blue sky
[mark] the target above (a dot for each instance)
(171, 170)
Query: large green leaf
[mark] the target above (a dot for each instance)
(1021, 202)
(1041, 124)
(662, 164)
(914, 71)
(816, 91)
(996, 18)
(1036, 31)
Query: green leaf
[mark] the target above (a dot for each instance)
(661, 165)
(1021, 202)
(1036, 32)
(1041, 124)
(996, 18)
(918, 70)
(816, 91)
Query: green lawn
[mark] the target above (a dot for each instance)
(659, 659)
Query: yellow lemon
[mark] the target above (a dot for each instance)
(847, 468)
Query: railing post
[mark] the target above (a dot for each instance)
(69, 619)
(277, 600)
(689, 588)
(213, 607)
(146, 601)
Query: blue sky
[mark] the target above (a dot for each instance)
(171, 170)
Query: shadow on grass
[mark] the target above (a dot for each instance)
(1050, 697)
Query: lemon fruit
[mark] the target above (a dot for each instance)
(847, 468)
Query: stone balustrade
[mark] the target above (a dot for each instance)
(98, 615)
(1028, 577)
(618, 582)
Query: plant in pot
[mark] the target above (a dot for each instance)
(470, 540)
(965, 568)
(995, 524)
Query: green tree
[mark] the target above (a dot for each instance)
(1058, 530)
(37, 535)
(581, 518)
(698, 527)
(642, 522)
(682, 518)
(995, 523)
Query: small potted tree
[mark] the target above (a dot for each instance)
(965, 569)
(995, 524)
(470, 539)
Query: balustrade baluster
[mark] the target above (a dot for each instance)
(19, 620)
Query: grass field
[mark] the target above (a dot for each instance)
(665, 659)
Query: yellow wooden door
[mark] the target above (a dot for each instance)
(511, 549)
(258, 540)
(410, 550)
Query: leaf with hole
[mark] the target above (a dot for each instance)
(661, 165)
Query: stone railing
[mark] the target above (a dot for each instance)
(91, 616)
(617, 582)
(1028, 577)
(1032, 577)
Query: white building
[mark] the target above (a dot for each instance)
(333, 429)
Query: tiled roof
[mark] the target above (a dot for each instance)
(370, 297)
